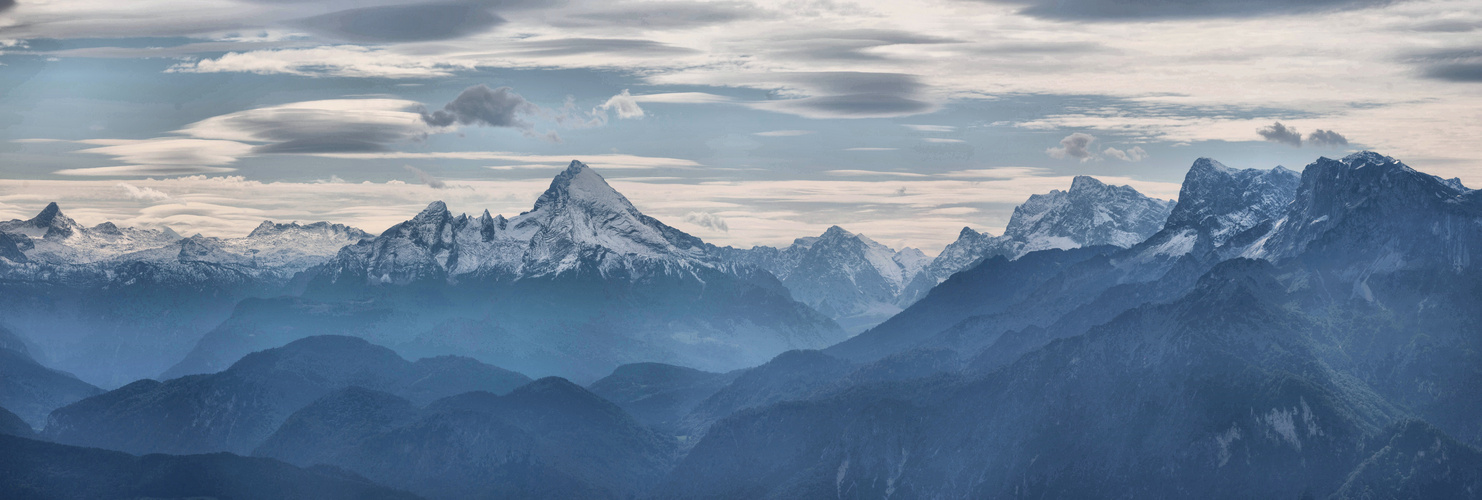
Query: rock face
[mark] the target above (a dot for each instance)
(577, 286)
(1090, 213)
(848, 277)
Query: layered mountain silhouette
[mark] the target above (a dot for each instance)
(36, 469)
(1269, 335)
(546, 439)
(236, 409)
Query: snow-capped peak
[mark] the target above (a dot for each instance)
(578, 222)
(580, 185)
(1090, 213)
(49, 223)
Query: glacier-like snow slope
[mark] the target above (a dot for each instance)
(578, 285)
(849, 277)
(114, 304)
(1090, 213)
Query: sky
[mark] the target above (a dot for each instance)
(741, 122)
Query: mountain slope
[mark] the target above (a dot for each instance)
(848, 277)
(1217, 395)
(32, 391)
(115, 304)
(234, 410)
(1090, 213)
(36, 469)
(547, 439)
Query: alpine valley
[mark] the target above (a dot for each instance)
(1269, 334)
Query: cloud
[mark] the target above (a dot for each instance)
(661, 15)
(163, 156)
(336, 60)
(846, 94)
(840, 45)
(143, 171)
(1119, 10)
(853, 173)
(1282, 134)
(1452, 65)
(143, 193)
(562, 47)
(683, 98)
(1327, 138)
(1075, 145)
(426, 178)
(1135, 153)
(404, 23)
(6, 5)
(327, 126)
(870, 149)
(481, 105)
(930, 128)
(707, 220)
(784, 133)
(623, 104)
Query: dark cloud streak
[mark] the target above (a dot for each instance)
(405, 23)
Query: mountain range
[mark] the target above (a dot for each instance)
(1270, 334)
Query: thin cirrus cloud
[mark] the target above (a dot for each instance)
(1119, 10)
(660, 15)
(325, 127)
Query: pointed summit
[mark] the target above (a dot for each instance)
(580, 185)
(1220, 202)
(53, 223)
(434, 209)
(47, 215)
(1085, 182)
(837, 232)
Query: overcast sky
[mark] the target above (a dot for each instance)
(740, 122)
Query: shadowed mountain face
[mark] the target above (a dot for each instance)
(547, 439)
(660, 395)
(1252, 379)
(12, 425)
(36, 469)
(1217, 393)
(234, 410)
(30, 390)
(579, 285)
